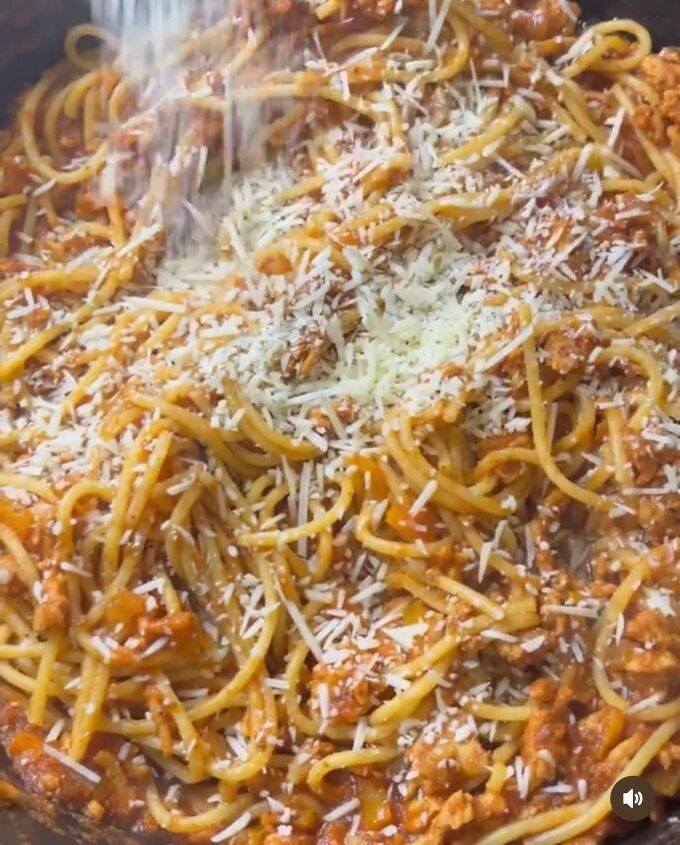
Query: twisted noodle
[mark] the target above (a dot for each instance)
(360, 520)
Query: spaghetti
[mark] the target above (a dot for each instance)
(359, 524)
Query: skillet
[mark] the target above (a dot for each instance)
(31, 40)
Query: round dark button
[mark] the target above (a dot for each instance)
(632, 799)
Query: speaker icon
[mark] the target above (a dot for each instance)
(633, 798)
